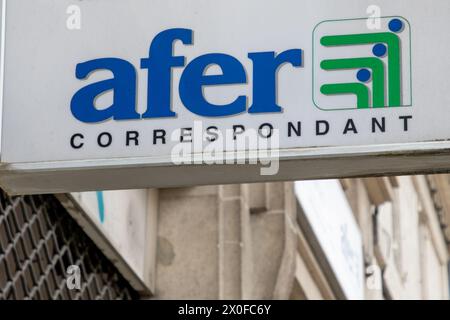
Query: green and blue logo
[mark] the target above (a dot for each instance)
(376, 74)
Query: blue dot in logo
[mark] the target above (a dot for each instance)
(363, 75)
(396, 25)
(379, 50)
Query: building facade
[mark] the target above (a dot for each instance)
(248, 241)
(281, 240)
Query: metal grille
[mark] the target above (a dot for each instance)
(38, 242)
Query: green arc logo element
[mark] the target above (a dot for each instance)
(392, 42)
(377, 67)
(360, 90)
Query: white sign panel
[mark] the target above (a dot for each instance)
(331, 219)
(119, 222)
(121, 216)
(111, 94)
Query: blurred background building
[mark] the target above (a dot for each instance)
(373, 238)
